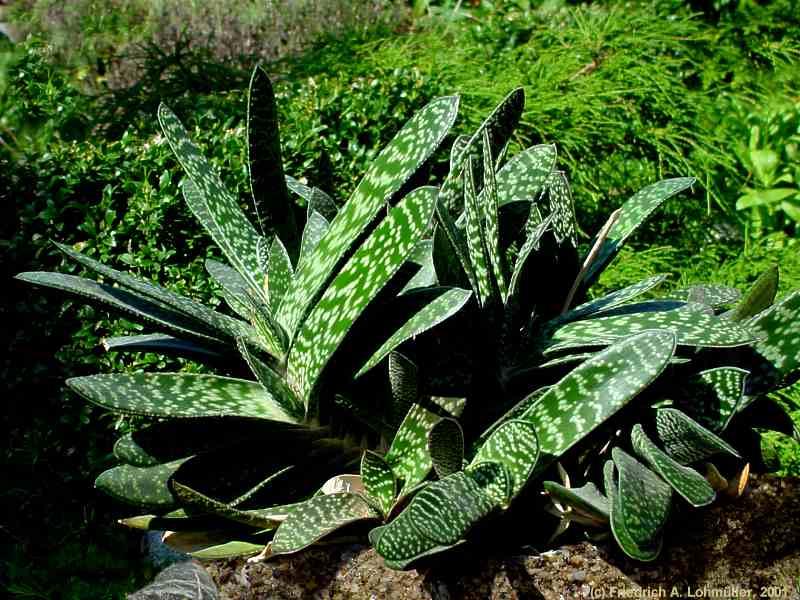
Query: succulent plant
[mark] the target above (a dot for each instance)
(501, 372)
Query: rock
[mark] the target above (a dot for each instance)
(181, 581)
(749, 545)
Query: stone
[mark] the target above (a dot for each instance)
(182, 581)
(746, 547)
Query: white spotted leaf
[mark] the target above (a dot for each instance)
(595, 390)
(141, 486)
(178, 395)
(513, 444)
(379, 480)
(395, 165)
(356, 285)
(318, 517)
(690, 484)
(687, 441)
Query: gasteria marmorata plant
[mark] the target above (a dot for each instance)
(500, 373)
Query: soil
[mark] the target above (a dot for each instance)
(746, 548)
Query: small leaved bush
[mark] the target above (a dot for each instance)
(421, 359)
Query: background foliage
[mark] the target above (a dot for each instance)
(630, 93)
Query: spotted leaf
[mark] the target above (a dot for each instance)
(690, 484)
(149, 312)
(513, 444)
(709, 294)
(494, 480)
(476, 242)
(273, 384)
(415, 142)
(690, 328)
(644, 499)
(611, 300)
(635, 210)
(178, 395)
(778, 348)
(316, 518)
(315, 229)
(142, 486)
(160, 344)
(618, 525)
(234, 286)
(562, 208)
(279, 275)
(596, 390)
(523, 176)
(531, 243)
(379, 480)
(212, 203)
(687, 441)
(491, 225)
(408, 454)
(586, 501)
(361, 278)
(438, 310)
(711, 397)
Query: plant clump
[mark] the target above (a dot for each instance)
(420, 360)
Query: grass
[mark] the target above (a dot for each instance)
(629, 93)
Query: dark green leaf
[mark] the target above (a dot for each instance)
(317, 517)
(514, 445)
(446, 447)
(687, 441)
(267, 183)
(142, 486)
(379, 480)
(686, 481)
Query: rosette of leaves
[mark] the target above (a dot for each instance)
(228, 454)
(545, 381)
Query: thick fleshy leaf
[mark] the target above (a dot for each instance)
(450, 252)
(596, 390)
(317, 517)
(271, 335)
(586, 501)
(356, 285)
(514, 445)
(644, 499)
(618, 525)
(712, 396)
(494, 480)
(778, 348)
(408, 454)
(379, 480)
(264, 518)
(690, 484)
(687, 441)
(611, 300)
(178, 395)
(562, 208)
(234, 286)
(422, 255)
(446, 509)
(316, 199)
(523, 176)
(500, 124)
(234, 549)
(531, 243)
(634, 211)
(273, 384)
(142, 486)
(396, 163)
(491, 225)
(446, 447)
(132, 306)
(128, 451)
(476, 242)
(437, 518)
(279, 276)
(160, 344)
(404, 384)
(441, 308)
(267, 182)
(690, 328)
(759, 297)
(710, 294)
(216, 208)
(219, 323)
(315, 229)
